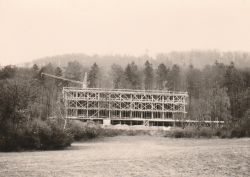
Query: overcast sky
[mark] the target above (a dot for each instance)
(31, 29)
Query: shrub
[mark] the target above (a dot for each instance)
(178, 134)
(132, 132)
(54, 137)
(41, 135)
(237, 133)
(191, 132)
(77, 129)
(206, 132)
(111, 132)
(181, 133)
(84, 130)
(89, 130)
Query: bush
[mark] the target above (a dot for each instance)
(84, 130)
(54, 137)
(177, 134)
(111, 132)
(40, 135)
(237, 133)
(88, 130)
(206, 132)
(191, 132)
(181, 133)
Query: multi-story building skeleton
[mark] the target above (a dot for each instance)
(126, 106)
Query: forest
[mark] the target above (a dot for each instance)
(216, 91)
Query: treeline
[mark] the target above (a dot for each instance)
(198, 58)
(28, 99)
(216, 92)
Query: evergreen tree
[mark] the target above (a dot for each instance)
(93, 76)
(148, 76)
(35, 70)
(132, 76)
(117, 76)
(174, 78)
(214, 75)
(35, 67)
(161, 76)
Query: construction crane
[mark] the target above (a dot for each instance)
(84, 83)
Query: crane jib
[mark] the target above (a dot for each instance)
(57, 77)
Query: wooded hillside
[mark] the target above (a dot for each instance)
(27, 99)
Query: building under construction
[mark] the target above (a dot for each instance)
(125, 106)
(133, 107)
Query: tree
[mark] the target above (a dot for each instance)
(74, 71)
(49, 92)
(244, 103)
(8, 71)
(15, 97)
(214, 105)
(93, 76)
(49, 69)
(214, 75)
(220, 104)
(174, 78)
(233, 83)
(161, 76)
(58, 72)
(193, 80)
(148, 76)
(132, 77)
(245, 124)
(35, 68)
(117, 75)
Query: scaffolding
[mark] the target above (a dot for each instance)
(139, 106)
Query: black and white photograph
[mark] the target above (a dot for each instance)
(124, 88)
